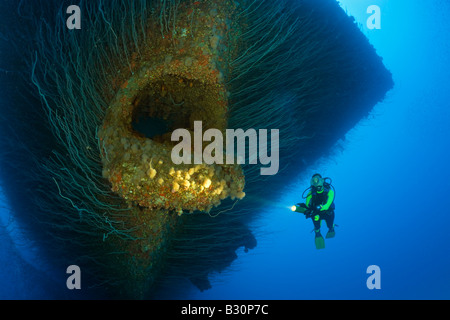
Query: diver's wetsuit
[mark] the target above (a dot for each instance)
(325, 199)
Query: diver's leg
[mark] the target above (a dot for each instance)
(317, 223)
(330, 224)
(329, 218)
(318, 239)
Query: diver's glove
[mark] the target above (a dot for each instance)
(311, 212)
(308, 214)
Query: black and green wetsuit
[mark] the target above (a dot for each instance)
(325, 200)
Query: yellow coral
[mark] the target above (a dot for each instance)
(152, 173)
(240, 195)
(207, 183)
(186, 183)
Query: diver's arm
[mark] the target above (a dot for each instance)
(330, 200)
(308, 199)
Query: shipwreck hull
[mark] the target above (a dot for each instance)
(94, 186)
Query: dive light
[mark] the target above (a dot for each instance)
(298, 208)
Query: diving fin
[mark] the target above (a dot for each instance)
(330, 234)
(319, 241)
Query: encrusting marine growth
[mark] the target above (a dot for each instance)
(179, 82)
(179, 79)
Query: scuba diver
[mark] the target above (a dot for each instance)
(319, 205)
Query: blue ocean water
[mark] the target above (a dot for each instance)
(391, 177)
